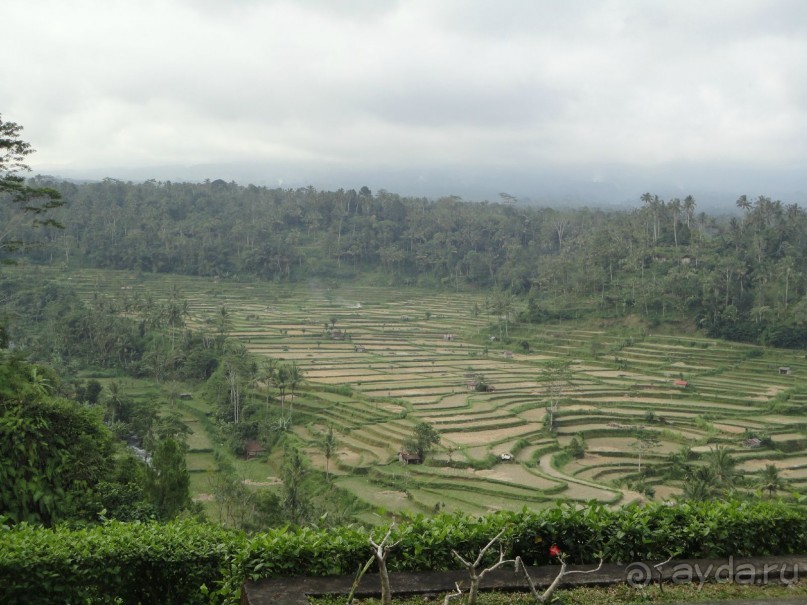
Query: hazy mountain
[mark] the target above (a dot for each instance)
(715, 187)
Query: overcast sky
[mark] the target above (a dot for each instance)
(692, 91)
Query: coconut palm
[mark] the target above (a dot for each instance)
(268, 376)
(114, 401)
(280, 379)
(699, 485)
(723, 467)
(329, 445)
(771, 480)
(689, 209)
(743, 203)
(295, 377)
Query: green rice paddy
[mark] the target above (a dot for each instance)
(403, 368)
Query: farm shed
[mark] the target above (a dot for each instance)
(253, 449)
(408, 458)
(784, 371)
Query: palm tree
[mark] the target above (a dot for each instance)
(557, 376)
(295, 377)
(646, 441)
(234, 384)
(723, 467)
(771, 480)
(689, 209)
(114, 401)
(654, 204)
(675, 211)
(503, 307)
(743, 203)
(329, 445)
(699, 485)
(281, 380)
(677, 463)
(267, 376)
(223, 325)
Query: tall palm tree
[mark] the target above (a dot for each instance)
(699, 485)
(689, 209)
(268, 376)
(503, 308)
(675, 211)
(329, 445)
(114, 400)
(743, 203)
(653, 203)
(295, 377)
(771, 480)
(281, 381)
(723, 467)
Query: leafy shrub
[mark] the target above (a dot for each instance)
(697, 530)
(159, 563)
(168, 563)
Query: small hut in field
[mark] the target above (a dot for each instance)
(253, 449)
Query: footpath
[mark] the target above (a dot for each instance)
(749, 570)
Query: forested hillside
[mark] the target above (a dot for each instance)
(739, 277)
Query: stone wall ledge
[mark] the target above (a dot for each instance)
(748, 570)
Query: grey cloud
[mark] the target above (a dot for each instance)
(366, 83)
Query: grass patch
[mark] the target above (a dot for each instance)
(615, 595)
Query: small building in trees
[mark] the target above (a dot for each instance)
(409, 458)
(253, 449)
(784, 371)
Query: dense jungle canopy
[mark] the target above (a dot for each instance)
(740, 277)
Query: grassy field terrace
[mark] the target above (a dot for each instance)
(410, 355)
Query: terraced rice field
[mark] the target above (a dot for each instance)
(402, 368)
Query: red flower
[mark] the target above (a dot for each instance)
(554, 551)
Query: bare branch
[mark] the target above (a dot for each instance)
(452, 595)
(382, 547)
(489, 544)
(475, 575)
(555, 583)
(498, 564)
(599, 567)
(658, 566)
(543, 598)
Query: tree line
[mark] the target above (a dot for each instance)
(739, 277)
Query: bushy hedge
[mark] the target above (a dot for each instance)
(168, 563)
(632, 533)
(145, 563)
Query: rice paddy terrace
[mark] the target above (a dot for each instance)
(411, 356)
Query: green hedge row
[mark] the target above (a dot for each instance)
(169, 563)
(148, 563)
